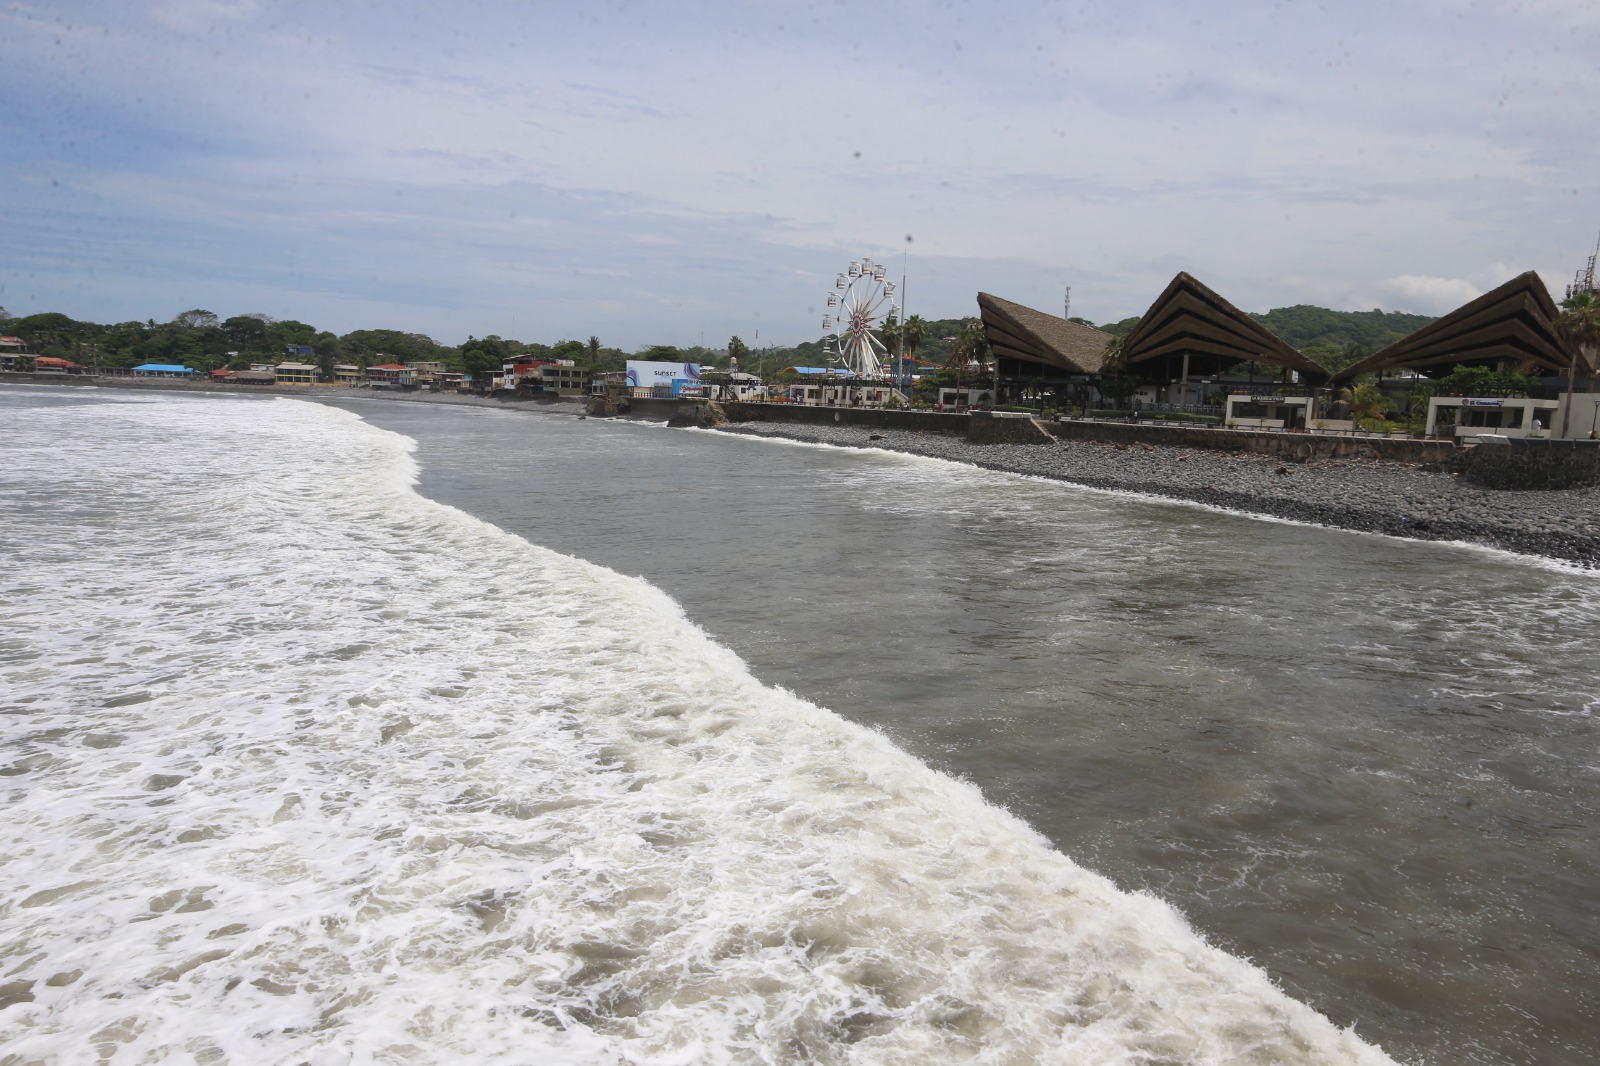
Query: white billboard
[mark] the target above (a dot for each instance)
(645, 374)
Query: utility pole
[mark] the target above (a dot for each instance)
(901, 371)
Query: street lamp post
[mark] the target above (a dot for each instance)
(1595, 421)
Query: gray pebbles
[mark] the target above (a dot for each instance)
(1374, 497)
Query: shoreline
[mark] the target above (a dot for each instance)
(1360, 495)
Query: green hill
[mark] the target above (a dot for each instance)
(1304, 326)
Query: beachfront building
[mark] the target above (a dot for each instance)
(562, 378)
(733, 385)
(823, 386)
(296, 373)
(520, 375)
(1192, 345)
(162, 370)
(1505, 416)
(1267, 410)
(349, 375)
(14, 356)
(390, 376)
(49, 364)
(1040, 355)
(425, 371)
(965, 398)
(1509, 329)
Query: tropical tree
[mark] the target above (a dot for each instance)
(325, 348)
(196, 319)
(1116, 381)
(912, 334)
(591, 352)
(890, 334)
(737, 349)
(246, 333)
(1369, 406)
(970, 346)
(1579, 322)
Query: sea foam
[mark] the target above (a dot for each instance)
(305, 767)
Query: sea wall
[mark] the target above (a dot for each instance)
(986, 427)
(875, 418)
(1531, 464)
(1296, 447)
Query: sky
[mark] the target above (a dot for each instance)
(679, 173)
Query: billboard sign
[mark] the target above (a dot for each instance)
(645, 374)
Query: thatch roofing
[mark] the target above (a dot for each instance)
(1189, 317)
(1018, 332)
(1514, 322)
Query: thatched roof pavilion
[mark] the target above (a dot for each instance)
(1511, 327)
(1018, 333)
(1190, 326)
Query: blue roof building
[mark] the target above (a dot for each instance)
(162, 370)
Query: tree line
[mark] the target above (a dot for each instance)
(204, 341)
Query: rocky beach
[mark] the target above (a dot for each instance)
(1369, 496)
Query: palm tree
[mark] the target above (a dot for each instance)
(971, 346)
(912, 334)
(890, 334)
(592, 350)
(1579, 322)
(1114, 369)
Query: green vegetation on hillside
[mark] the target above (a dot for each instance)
(1304, 326)
(204, 341)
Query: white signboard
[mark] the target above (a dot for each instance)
(645, 374)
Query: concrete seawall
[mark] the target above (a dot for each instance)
(1531, 464)
(874, 418)
(1295, 447)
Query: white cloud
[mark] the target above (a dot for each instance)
(1291, 157)
(1425, 294)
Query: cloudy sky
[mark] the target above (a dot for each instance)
(659, 173)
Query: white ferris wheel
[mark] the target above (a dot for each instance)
(858, 305)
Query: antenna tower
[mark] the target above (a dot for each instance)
(1066, 304)
(1584, 280)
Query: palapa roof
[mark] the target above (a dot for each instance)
(1189, 317)
(1514, 322)
(1018, 332)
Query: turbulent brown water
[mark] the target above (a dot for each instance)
(1367, 764)
(301, 765)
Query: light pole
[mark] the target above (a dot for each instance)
(901, 371)
(1595, 421)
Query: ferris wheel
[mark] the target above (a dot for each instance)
(858, 305)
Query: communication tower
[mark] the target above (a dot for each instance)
(1066, 304)
(1584, 280)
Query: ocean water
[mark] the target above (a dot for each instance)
(703, 749)
(302, 766)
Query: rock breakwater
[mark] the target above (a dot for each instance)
(1365, 495)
